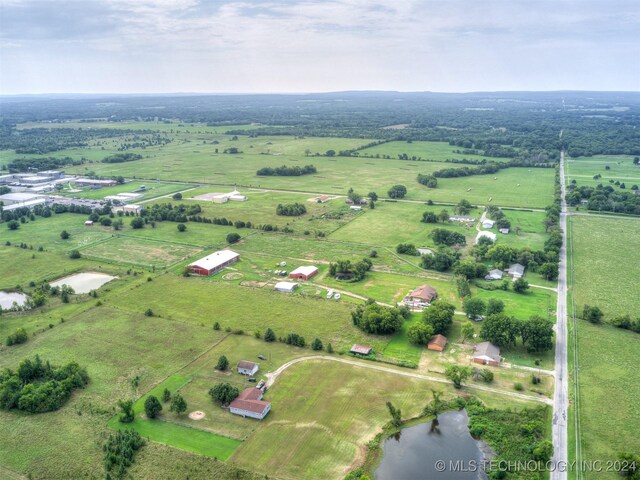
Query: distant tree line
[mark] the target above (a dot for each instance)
(285, 171)
(121, 158)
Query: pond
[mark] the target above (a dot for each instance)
(7, 299)
(415, 451)
(84, 282)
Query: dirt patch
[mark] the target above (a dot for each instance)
(197, 415)
(232, 276)
(251, 283)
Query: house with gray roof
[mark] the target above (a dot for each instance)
(486, 353)
(516, 270)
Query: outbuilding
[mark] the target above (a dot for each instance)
(486, 353)
(248, 368)
(286, 287)
(214, 263)
(504, 231)
(304, 273)
(487, 223)
(361, 349)
(250, 404)
(483, 233)
(437, 343)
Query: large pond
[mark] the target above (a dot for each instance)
(7, 299)
(84, 282)
(429, 451)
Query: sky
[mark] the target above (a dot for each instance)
(280, 46)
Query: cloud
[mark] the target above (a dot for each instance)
(306, 45)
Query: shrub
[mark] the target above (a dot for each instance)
(316, 344)
(518, 386)
(223, 393)
(223, 363)
(152, 406)
(233, 238)
(64, 235)
(269, 335)
(18, 337)
(177, 196)
(181, 227)
(119, 452)
(74, 254)
(148, 312)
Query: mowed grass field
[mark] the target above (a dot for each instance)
(606, 275)
(434, 151)
(152, 190)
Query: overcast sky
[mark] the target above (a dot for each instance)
(152, 46)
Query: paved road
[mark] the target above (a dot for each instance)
(271, 377)
(602, 215)
(561, 392)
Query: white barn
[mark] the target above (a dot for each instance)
(248, 368)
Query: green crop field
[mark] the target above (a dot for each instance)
(621, 167)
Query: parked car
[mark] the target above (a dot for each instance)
(262, 357)
(337, 296)
(252, 380)
(330, 294)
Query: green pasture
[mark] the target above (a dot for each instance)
(400, 347)
(247, 308)
(140, 252)
(603, 254)
(164, 430)
(315, 427)
(434, 151)
(114, 346)
(392, 223)
(621, 167)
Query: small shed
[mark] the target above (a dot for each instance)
(486, 353)
(487, 223)
(357, 208)
(88, 223)
(437, 343)
(304, 273)
(286, 287)
(248, 368)
(504, 231)
(361, 349)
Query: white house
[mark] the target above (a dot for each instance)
(248, 368)
(516, 270)
(486, 223)
(494, 274)
(492, 236)
(250, 404)
(286, 287)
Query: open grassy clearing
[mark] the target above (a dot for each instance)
(164, 430)
(603, 254)
(45, 232)
(434, 151)
(140, 252)
(248, 308)
(392, 223)
(152, 190)
(607, 356)
(113, 345)
(261, 207)
(323, 414)
(621, 167)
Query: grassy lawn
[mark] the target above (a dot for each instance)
(621, 167)
(114, 347)
(163, 430)
(399, 347)
(140, 252)
(607, 356)
(434, 151)
(523, 305)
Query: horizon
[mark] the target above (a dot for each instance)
(287, 46)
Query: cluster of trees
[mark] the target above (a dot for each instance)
(498, 215)
(439, 316)
(224, 393)
(397, 191)
(291, 209)
(407, 249)
(347, 270)
(161, 212)
(293, 339)
(486, 169)
(432, 217)
(545, 262)
(503, 330)
(605, 198)
(38, 386)
(122, 158)
(377, 319)
(442, 260)
(285, 171)
(449, 238)
(119, 452)
(429, 181)
(626, 323)
(21, 165)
